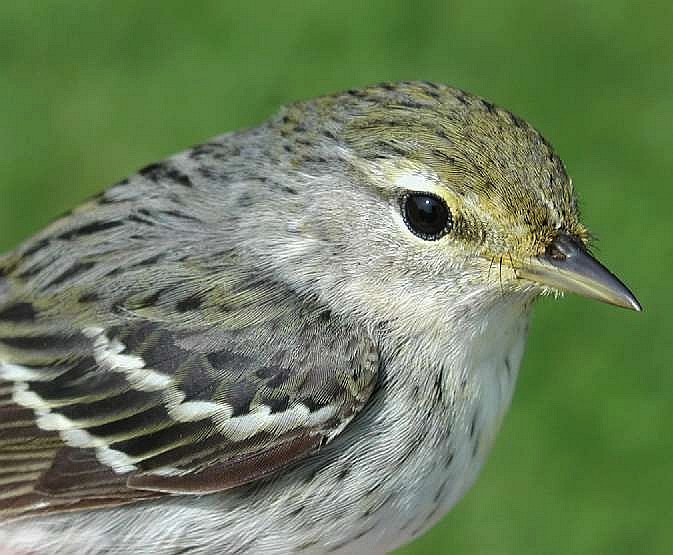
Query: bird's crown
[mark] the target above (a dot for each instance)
(507, 189)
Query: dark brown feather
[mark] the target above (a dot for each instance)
(39, 474)
(219, 477)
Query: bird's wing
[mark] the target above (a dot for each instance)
(191, 387)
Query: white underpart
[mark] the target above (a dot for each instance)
(110, 356)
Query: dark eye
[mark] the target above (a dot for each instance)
(426, 215)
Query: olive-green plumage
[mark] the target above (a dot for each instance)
(501, 171)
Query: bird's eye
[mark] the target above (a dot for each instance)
(426, 215)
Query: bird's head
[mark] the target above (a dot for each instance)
(426, 192)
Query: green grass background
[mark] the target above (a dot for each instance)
(92, 90)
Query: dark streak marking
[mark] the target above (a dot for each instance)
(180, 215)
(278, 404)
(473, 424)
(489, 106)
(148, 261)
(440, 492)
(315, 159)
(433, 512)
(444, 156)
(406, 103)
(475, 447)
(174, 436)
(18, 312)
(151, 170)
(30, 272)
(89, 229)
(190, 303)
(75, 269)
(407, 523)
(312, 475)
(88, 297)
(378, 505)
(365, 531)
(298, 510)
(124, 425)
(312, 404)
(383, 145)
(461, 96)
(162, 171)
(137, 219)
(209, 173)
(35, 247)
(202, 150)
(340, 545)
(517, 121)
(373, 488)
(39, 342)
(439, 390)
(245, 200)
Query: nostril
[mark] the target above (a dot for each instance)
(555, 252)
(563, 247)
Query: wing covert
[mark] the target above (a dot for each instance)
(189, 390)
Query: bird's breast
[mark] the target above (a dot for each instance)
(461, 414)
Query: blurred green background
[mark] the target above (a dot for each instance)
(92, 90)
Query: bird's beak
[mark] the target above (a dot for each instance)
(567, 266)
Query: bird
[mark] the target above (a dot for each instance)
(300, 337)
